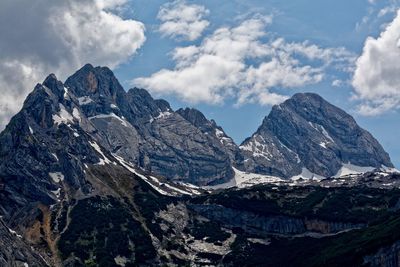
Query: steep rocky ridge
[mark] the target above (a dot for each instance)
(211, 128)
(147, 132)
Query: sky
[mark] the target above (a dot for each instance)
(231, 59)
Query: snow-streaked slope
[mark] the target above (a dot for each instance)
(306, 174)
(246, 179)
(348, 169)
(164, 188)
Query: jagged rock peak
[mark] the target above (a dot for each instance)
(195, 117)
(55, 86)
(198, 119)
(95, 82)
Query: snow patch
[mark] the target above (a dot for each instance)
(14, 232)
(191, 188)
(258, 149)
(144, 178)
(222, 137)
(326, 134)
(104, 160)
(219, 133)
(55, 156)
(306, 174)
(349, 169)
(163, 115)
(56, 176)
(175, 189)
(322, 130)
(156, 184)
(76, 114)
(63, 116)
(30, 130)
(323, 144)
(57, 193)
(246, 179)
(66, 93)
(389, 169)
(120, 261)
(85, 100)
(298, 160)
(111, 115)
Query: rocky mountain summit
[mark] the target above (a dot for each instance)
(309, 136)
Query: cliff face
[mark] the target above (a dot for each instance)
(210, 128)
(272, 224)
(385, 257)
(14, 252)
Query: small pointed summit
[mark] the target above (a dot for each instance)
(195, 117)
(54, 85)
(87, 66)
(95, 82)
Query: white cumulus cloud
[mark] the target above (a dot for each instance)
(59, 36)
(376, 78)
(183, 21)
(243, 63)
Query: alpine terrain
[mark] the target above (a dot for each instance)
(93, 175)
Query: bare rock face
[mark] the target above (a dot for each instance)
(147, 132)
(14, 252)
(42, 140)
(308, 132)
(210, 128)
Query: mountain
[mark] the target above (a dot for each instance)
(308, 136)
(91, 175)
(147, 132)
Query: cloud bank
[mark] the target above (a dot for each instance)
(59, 36)
(377, 76)
(244, 63)
(182, 21)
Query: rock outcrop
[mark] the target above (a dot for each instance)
(14, 252)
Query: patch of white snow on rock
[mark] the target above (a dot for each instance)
(104, 160)
(63, 116)
(56, 176)
(85, 100)
(349, 169)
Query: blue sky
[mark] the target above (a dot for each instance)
(324, 23)
(230, 59)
